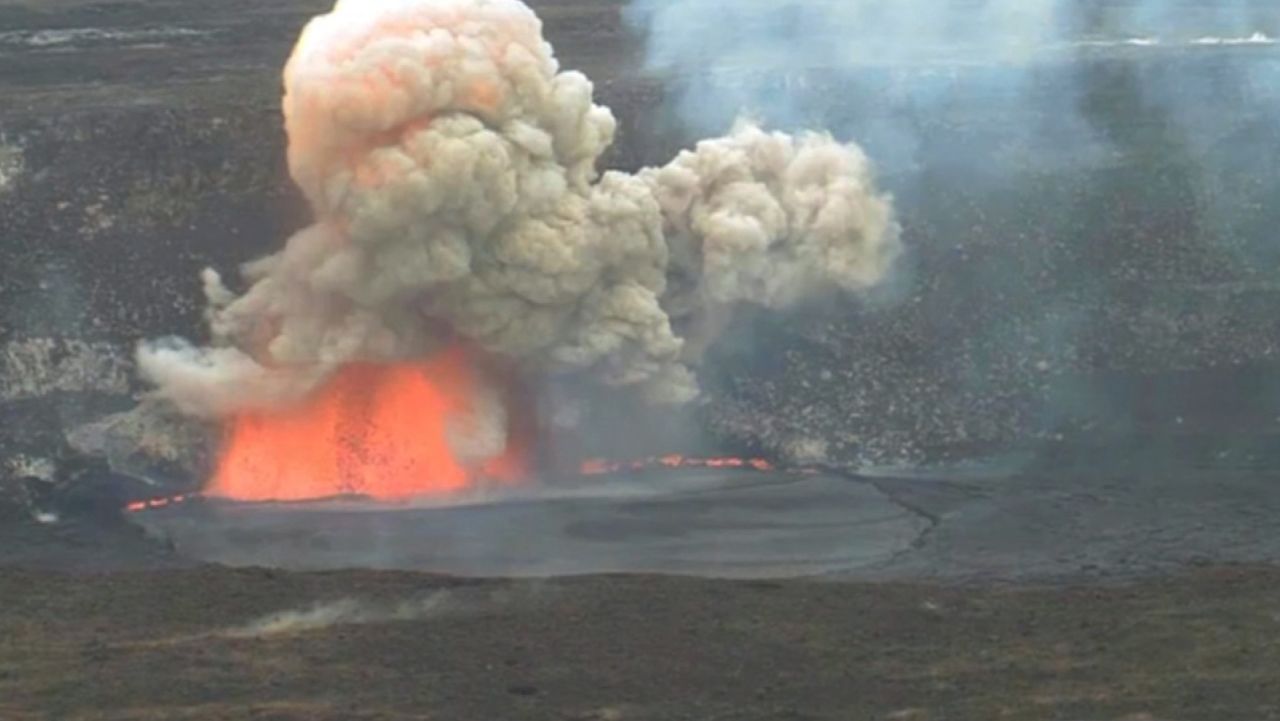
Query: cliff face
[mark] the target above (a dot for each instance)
(1127, 284)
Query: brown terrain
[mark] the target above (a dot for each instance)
(1048, 468)
(184, 645)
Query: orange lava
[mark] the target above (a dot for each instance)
(160, 502)
(380, 431)
(600, 466)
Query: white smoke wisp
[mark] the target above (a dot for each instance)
(451, 166)
(344, 612)
(439, 604)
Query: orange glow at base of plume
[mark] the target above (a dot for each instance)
(373, 430)
(601, 466)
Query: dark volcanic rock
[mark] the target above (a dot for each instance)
(74, 518)
(151, 441)
(18, 498)
(1127, 282)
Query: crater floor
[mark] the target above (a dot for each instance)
(209, 644)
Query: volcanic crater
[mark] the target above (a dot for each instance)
(1043, 447)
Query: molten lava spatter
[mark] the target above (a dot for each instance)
(601, 466)
(385, 431)
(158, 502)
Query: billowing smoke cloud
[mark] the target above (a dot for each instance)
(1085, 184)
(451, 166)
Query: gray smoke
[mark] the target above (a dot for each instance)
(1086, 185)
(760, 49)
(451, 166)
(346, 612)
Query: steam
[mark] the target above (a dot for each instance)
(903, 68)
(1052, 156)
(344, 612)
(448, 603)
(758, 42)
(451, 167)
(325, 615)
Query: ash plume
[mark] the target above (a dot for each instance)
(451, 167)
(1051, 157)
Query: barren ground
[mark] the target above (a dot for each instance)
(151, 155)
(161, 646)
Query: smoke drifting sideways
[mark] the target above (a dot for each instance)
(1084, 189)
(1028, 73)
(922, 44)
(451, 166)
(898, 67)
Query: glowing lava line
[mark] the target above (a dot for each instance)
(601, 466)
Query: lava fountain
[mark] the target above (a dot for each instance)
(384, 431)
(464, 238)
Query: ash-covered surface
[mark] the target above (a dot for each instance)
(691, 522)
(1120, 515)
(68, 516)
(1054, 287)
(1094, 282)
(1060, 299)
(1086, 321)
(235, 644)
